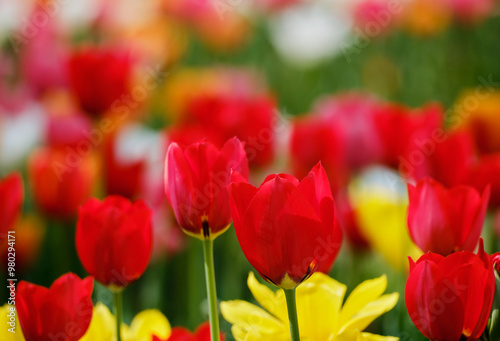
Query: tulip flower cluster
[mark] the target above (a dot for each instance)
(154, 155)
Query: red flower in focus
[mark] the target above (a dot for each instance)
(106, 232)
(61, 312)
(444, 220)
(250, 119)
(60, 180)
(196, 180)
(450, 298)
(202, 333)
(11, 199)
(98, 77)
(495, 260)
(286, 229)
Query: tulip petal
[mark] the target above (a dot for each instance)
(432, 303)
(272, 302)
(147, 323)
(365, 292)
(241, 194)
(102, 327)
(280, 232)
(370, 312)
(247, 315)
(319, 288)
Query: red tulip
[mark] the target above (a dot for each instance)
(404, 133)
(449, 160)
(248, 118)
(449, 299)
(114, 239)
(202, 333)
(485, 173)
(286, 229)
(61, 312)
(315, 138)
(354, 116)
(495, 260)
(443, 220)
(99, 77)
(61, 180)
(196, 181)
(11, 199)
(121, 178)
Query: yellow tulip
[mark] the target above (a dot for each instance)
(322, 317)
(144, 325)
(382, 218)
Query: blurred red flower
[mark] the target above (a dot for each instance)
(61, 312)
(114, 240)
(196, 180)
(485, 173)
(314, 139)
(60, 180)
(251, 119)
(404, 133)
(286, 229)
(11, 199)
(99, 76)
(449, 160)
(450, 298)
(123, 179)
(442, 220)
(202, 333)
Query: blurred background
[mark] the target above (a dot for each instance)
(92, 92)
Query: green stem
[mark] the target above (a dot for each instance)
(117, 296)
(292, 314)
(211, 291)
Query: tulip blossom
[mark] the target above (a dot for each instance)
(11, 199)
(484, 174)
(196, 180)
(143, 327)
(61, 312)
(449, 160)
(450, 298)
(114, 240)
(326, 318)
(286, 229)
(404, 132)
(99, 77)
(60, 180)
(442, 220)
(202, 333)
(315, 138)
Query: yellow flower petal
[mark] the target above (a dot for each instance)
(254, 334)
(10, 330)
(356, 335)
(382, 219)
(147, 323)
(247, 315)
(102, 327)
(370, 312)
(318, 300)
(272, 302)
(365, 292)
